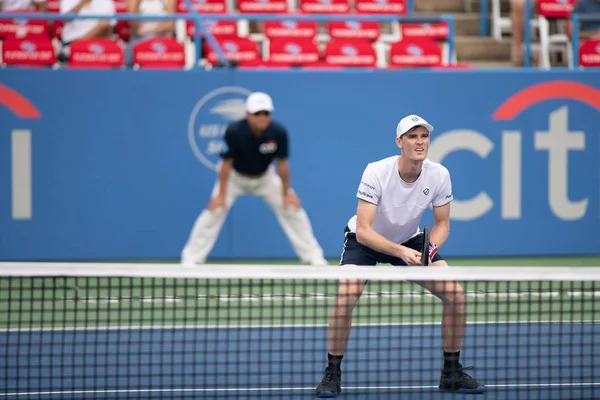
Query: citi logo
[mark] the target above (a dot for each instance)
(20, 152)
(552, 136)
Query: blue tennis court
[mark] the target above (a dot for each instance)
(521, 360)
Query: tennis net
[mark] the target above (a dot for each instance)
(156, 331)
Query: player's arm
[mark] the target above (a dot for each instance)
(224, 173)
(227, 161)
(283, 169)
(366, 235)
(441, 225)
(441, 213)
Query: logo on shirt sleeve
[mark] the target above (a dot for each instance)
(365, 194)
(367, 185)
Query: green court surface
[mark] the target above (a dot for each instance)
(550, 261)
(128, 302)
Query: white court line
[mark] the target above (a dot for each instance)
(288, 389)
(273, 326)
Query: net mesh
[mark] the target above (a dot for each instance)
(94, 331)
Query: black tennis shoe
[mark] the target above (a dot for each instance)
(458, 381)
(330, 386)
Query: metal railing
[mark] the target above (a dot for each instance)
(483, 18)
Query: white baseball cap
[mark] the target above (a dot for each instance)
(409, 122)
(259, 101)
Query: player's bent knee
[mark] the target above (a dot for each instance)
(439, 263)
(349, 291)
(454, 294)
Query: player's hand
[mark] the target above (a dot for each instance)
(410, 256)
(291, 200)
(216, 202)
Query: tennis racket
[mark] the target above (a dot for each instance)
(425, 247)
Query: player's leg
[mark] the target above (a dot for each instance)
(208, 225)
(294, 221)
(340, 318)
(452, 295)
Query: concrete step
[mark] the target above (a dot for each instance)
(479, 64)
(455, 6)
(465, 24)
(469, 48)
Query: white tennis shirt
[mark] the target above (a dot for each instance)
(400, 205)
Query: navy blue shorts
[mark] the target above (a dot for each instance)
(359, 254)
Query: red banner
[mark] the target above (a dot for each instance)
(367, 30)
(556, 8)
(589, 53)
(325, 6)
(159, 53)
(351, 53)
(293, 52)
(263, 6)
(290, 29)
(410, 53)
(28, 52)
(397, 7)
(437, 31)
(95, 53)
(216, 28)
(204, 6)
(242, 50)
(23, 28)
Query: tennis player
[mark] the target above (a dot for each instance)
(254, 144)
(392, 196)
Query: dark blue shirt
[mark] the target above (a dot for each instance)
(588, 7)
(253, 154)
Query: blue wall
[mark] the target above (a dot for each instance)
(120, 170)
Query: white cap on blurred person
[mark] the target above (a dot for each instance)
(407, 123)
(259, 101)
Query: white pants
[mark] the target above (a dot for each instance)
(294, 221)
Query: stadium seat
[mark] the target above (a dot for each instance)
(290, 30)
(558, 11)
(437, 31)
(23, 28)
(292, 52)
(393, 7)
(325, 6)
(350, 53)
(159, 52)
(589, 54)
(204, 6)
(28, 52)
(221, 29)
(365, 30)
(262, 6)
(95, 53)
(241, 50)
(412, 53)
